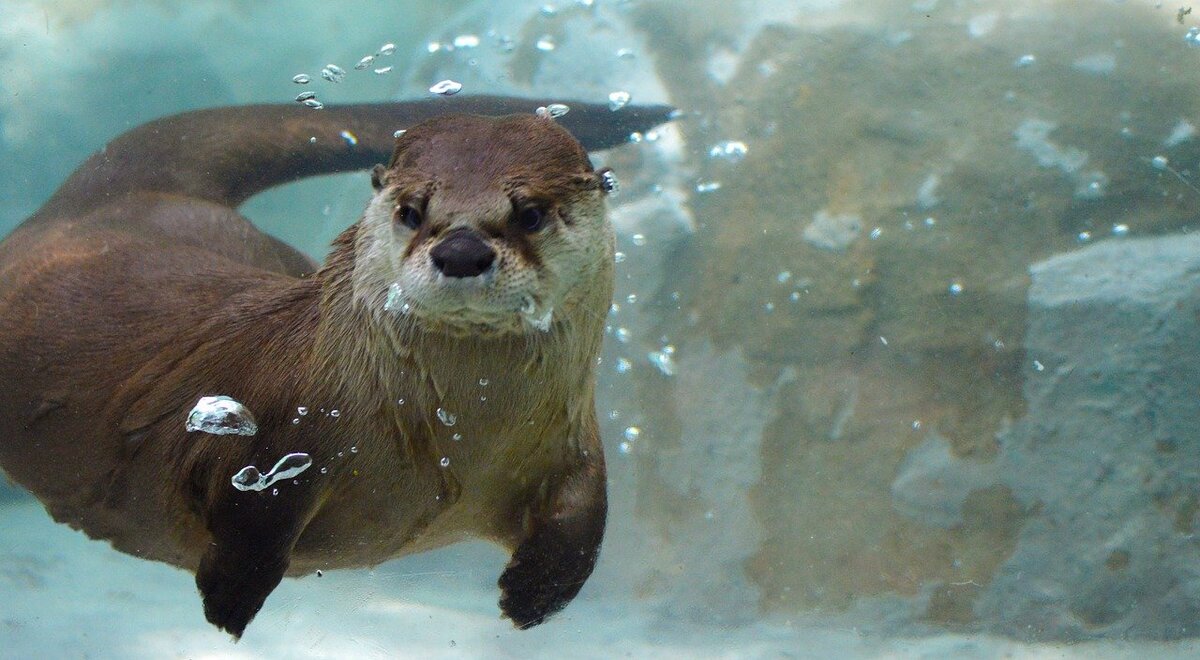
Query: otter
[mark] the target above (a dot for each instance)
(431, 381)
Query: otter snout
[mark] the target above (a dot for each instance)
(462, 254)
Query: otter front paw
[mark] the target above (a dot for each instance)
(234, 592)
(544, 574)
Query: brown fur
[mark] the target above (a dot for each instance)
(138, 289)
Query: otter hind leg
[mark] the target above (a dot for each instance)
(558, 554)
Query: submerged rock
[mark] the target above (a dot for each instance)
(1108, 452)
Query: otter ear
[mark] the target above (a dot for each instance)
(377, 176)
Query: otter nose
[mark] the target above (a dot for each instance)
(462, 254)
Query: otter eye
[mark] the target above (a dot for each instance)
(530, 218)
(408, 216)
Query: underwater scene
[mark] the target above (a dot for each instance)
(887, 311)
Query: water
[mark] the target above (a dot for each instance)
(924, 269)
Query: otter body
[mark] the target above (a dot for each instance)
(438, 368)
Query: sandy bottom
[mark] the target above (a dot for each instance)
(62, 595)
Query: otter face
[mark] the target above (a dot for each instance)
(492, 225)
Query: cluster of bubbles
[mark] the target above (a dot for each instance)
(223, 415)
(336, 74)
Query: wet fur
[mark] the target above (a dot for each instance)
(138, 289)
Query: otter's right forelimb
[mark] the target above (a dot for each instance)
(555, 558)
(253, 534)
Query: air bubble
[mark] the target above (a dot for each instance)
(632, 433)
(708, 186)
(304, 96)
(301, 79)
(314, 104)
(955, 288)
(529, 312)
(446, 87)
(446, 417)
(483, 382)
(1120, 229)
(364, 62)
(623, 365)
(395, 299)
(546, 44)
(382, 70)
(445, 462)
(302, 410)
(662, 360)
(457, 437)
(1159, 162)
(1025, 61)
(333, 73)
(552, 111)
(466, 41)
(221, 415)
(335, 413)
(609, 183)
(291, 465)
(619, 257)
(732, 151)
(350, 138)
(398, 133)
(618, 99)
(387, 49)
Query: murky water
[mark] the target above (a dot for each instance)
(901, 357)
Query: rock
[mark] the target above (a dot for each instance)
(933, 484)
(1108, 455)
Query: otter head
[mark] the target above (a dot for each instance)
(485, 225)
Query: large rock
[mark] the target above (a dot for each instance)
(1107, 458)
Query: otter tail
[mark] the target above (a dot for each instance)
(226, 155)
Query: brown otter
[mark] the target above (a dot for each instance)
(437, 370)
